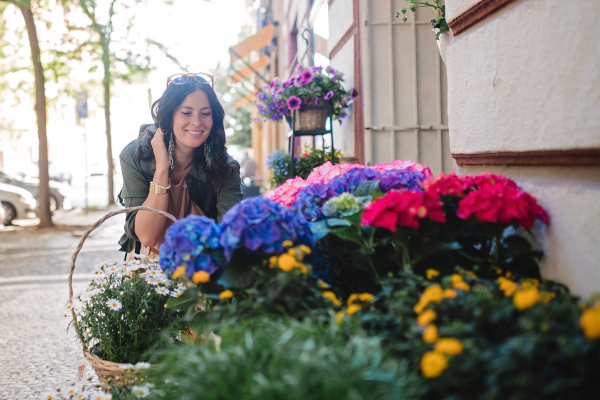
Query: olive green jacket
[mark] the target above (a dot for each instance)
(137, 175)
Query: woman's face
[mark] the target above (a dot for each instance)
(192, 120)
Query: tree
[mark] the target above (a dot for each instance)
(40, 109)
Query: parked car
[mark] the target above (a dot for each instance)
(58, 192)
(2, 215)
(18, 203)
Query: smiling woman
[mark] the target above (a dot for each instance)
(179, 164)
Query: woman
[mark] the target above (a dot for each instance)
(179, 164)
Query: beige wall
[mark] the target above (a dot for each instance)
(525, 78)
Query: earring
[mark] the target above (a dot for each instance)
(171, 151)
(208, 152)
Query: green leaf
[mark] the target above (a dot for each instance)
(237, 278)
(347, 234)
(335, 222)
(319, 229)
(188, 299)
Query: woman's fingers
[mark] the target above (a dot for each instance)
(160, 150)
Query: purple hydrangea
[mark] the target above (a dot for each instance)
(401, 179)
(188, 242)
(260, 224)
(354, 177)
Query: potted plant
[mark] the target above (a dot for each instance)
(279, 164)
(438, 23)
(122, 318)
(309, 86)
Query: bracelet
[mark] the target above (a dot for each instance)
(158, 189)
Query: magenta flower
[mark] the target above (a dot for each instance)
(329, 95)
(307, 76)
(294, 103)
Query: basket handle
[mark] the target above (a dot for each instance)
(97, 224)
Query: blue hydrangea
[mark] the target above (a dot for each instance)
(260, 224)
(401, 179)
(311, 199)
(350, 180)
(188, 243)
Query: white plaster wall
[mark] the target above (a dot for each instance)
(341, 16)
(343, 134)
(527, 78)
(456, 7)
(571, 242)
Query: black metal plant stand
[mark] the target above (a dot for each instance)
(297, 132)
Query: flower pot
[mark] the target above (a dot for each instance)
(442, 43)
(310, 118)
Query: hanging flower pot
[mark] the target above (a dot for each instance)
(442, 43)
(310, 118)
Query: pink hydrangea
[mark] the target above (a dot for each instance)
(402, 164)
(287, 192)
(327, 171)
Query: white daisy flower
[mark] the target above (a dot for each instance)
(161, 290)
(140, 391)
(142, 365)
(127, 366)
(97, 395)
(151, 281)
(114, 304)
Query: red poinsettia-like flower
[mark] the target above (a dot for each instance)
(403, 208)
(501, 202)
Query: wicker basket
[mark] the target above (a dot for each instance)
(108, 372)
(310, 119)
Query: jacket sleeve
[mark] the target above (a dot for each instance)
(135, 189)
(232, 191)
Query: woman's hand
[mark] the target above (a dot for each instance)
(160, 150)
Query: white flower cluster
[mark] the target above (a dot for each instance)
(154, 276)
(78, 391)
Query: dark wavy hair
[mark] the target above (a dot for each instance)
(163, 110)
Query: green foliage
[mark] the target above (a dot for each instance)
(438, 23)
(276, 358)
(123, 317)
(279, 163)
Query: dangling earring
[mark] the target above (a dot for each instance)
(208, 152)
(171, 151)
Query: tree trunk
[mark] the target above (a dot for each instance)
(43, 207)
(106, 63)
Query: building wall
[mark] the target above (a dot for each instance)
(523, 101)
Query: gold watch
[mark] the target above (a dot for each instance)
(158, 189)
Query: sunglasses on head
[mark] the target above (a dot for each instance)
(200, 77)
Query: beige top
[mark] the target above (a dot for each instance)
(180, 203)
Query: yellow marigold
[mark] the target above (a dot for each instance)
(526, 298)
(286, 262)
(590, 323)
(331, 296)
(530, 283)
(597, 304)
(430, 335)
(179, 272)
(303, 268)
(304, 248)
(507, 286)
(226, 294)
(420, 306)
(426, 317)
(201, 277)
(352, 308)
(287, 243)
(359, 298)
(272, 261)
(547, 296)
(449, 294)
(339, 316)
(322, 284)
(462, 286)
(433, 364)
(450, 346)
(433, 293)
(432, 273)
(456, 278)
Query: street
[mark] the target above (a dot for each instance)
(37, 352)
